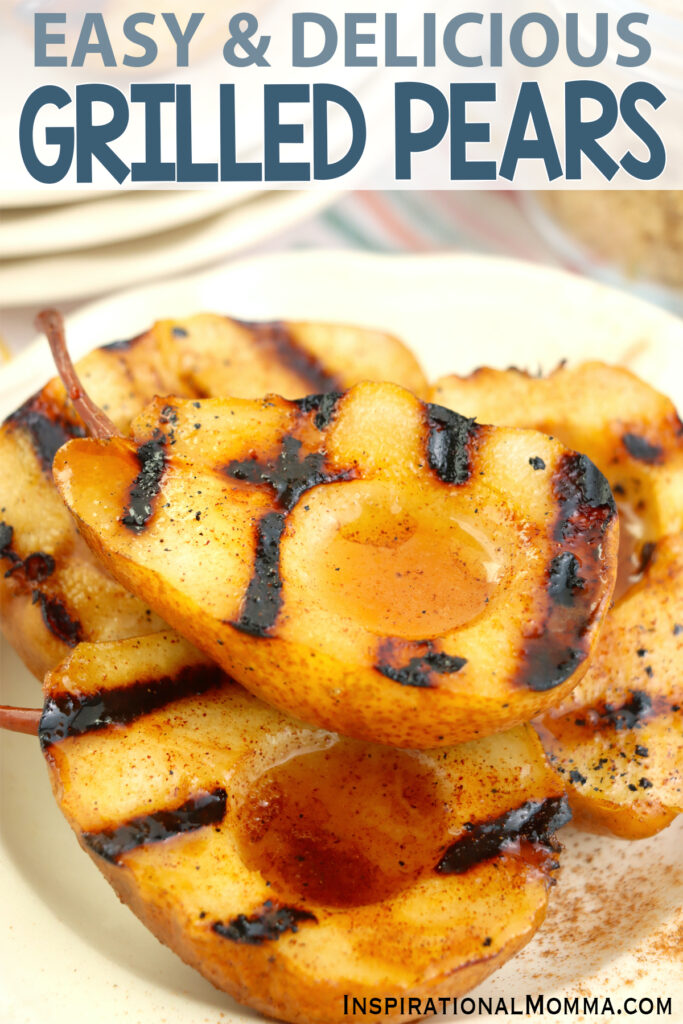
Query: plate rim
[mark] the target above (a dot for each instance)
(134, 223)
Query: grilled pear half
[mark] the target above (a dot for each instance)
(52, 592)
(287, 864)
(619, 736)
(369, 563)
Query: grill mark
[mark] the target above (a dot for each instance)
(586, 509)
(289, 476)
(6, 538)
(449, 444)
(587, 502)
(641, 449)
(547, 664)
(68, 714)
(565, 579)
(266, 924)
(638, 708)
(47, 426)
(146, 486)
(324, 406)
(534, 821)
(125, 344)
(197, 812)
(35, 568)
(419, 670)
(277, 337)
(58, 620)
(263, 598)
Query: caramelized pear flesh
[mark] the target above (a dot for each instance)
(52, 592)
(373, 565)
(287, 864)
(618, 737)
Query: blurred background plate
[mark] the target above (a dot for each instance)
(60, 276)
(26, 199)
(68, 949)
(111, 219)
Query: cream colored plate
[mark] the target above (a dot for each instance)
(68, 950)
(60, 276)
(113, 218)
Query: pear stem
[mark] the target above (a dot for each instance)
(24, 720)
(51, 323)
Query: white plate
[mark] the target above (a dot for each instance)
(68, 950)
(61, 276)
(114, 218)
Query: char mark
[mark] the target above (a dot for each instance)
(263, 598)
(6, 537)
(125, 345)
(147, 484)
(449, 443)
(548, 663)
(641, 449)
(629, 715)
(288, 474)
(35, 568)
(586, 507)
(587, 504)
(277, 337)
(324, 406)
(57, 619)
(69, 714)
(198, 812)
(48, 427)
(535, 821)
(265, 925)
(420, 670)
(564, 579)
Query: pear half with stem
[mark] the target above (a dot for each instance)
(53, 593)
(289, 865)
